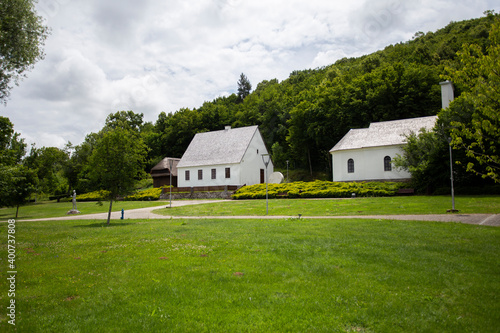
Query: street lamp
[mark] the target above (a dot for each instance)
(266, 158)
(170, 163)
(453, 210)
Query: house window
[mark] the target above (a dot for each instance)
(214, 173)
(187, 174)
(228, 172)
(262, 178)
(350, 166)
(387, 163)
(200, 174)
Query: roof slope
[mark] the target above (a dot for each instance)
(219, 147)
(384, 133)
(163, 165)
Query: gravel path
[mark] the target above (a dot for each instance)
(147, 213)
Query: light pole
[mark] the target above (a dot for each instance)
(266, 158)
(170, 163)
(453, 210)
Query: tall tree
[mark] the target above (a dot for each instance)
(117, 162)
(244, 87)
(478, 75)
(22, 36)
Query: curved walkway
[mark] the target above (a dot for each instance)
(147, 213)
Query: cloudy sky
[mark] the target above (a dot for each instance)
(151, 56)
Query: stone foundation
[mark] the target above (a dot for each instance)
(197, 195)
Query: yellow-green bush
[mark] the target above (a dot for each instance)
(147, 195)
(319, 189)
(93, 196)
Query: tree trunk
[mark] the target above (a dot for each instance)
(17, 211)
(109, 213)
(310, 163)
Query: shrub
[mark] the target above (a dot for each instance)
(147, 195)
(319, 189)
(93, 196)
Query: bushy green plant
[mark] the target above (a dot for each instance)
(93, 196)
(319, 189)
(147, 195)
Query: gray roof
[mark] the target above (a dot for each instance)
(164, 165)
(219, 147)
(384, 133)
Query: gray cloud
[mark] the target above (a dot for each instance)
(151, 56)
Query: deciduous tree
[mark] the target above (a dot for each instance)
(478, 75)
(22, 35)
(117, 162)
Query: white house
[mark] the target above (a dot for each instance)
(366, 154)
(232, 156)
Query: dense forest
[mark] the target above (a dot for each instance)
(301, 118)
(304, 116)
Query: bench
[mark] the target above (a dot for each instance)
(406, 191)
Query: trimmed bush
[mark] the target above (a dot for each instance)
(147, 195)
(319, 189)
(93, 196)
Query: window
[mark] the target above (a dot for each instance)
(214, 173)
(262, 178)
(350, 166)
(187, 174)
(387, 163)
(228, 172)
(200, 174)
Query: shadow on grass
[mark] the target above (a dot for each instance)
(103, 225)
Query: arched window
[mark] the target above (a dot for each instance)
(350, 165)
(387, 163)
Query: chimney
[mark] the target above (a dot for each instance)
(446, 93)
(227, 128)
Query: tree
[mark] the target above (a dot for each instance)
(22, 37)
(478, 76)
(117, 162)
(49, 164)
(244, 87)
(17, 183)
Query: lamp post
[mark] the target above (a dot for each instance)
(453, 210)
(170, 163)
(266, 158)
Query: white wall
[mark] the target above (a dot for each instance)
(247, 172)
(252, 161)
(207, 180)
(368, 164)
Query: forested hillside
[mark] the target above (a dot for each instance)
(302, 117)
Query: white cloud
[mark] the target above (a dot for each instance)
(150, 56)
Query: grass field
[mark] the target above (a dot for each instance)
(254, 276)
(54, 209)
(342, 207)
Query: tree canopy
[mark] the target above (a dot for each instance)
(22, 36)
(478, 76)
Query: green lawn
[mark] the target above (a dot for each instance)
(255, 276)
(342, 207)
(55, 209)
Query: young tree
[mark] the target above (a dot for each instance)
(17, 183)
(22, 36)
(117, 161)
(479, 77)
(244, 87)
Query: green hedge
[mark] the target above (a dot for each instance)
(93, 196)
(320, 189)
(146, 195)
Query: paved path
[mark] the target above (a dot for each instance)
(147, 213)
